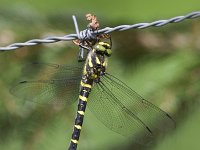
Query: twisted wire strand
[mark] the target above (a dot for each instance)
(90, 34)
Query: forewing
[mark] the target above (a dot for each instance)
(48, 91)
(56, 84)
(44, 71)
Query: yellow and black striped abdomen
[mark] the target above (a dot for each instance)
(84, 93)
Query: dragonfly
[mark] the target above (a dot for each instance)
(114, 103)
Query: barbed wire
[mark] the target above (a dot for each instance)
(91, 34)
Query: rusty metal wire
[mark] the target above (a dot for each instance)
(92, 34)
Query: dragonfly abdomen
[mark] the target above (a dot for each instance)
(83, 96)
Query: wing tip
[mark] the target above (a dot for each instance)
(23, 81)
(174, 122)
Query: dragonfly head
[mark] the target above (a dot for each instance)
(103, 48)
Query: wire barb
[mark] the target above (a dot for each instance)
(90, 34)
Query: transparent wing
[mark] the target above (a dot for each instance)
(45, 71)
(125, 112)
(56, 84)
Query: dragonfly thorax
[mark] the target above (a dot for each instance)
(96, 62)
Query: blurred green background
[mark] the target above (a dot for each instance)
(162, 64)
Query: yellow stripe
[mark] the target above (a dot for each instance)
(77, 126)
(74, 141)
(97, 60)
(104, 63)
(85, 85)
(81, 112)
(90, 62)
(83, 98)
(103, 43)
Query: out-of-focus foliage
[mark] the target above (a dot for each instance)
(161, 64)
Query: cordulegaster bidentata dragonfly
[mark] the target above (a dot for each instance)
(115, 104)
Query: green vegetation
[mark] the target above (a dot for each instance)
(161, 64)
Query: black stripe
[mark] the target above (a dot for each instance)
(79, 119)
(93, 59)
(76, 134)
(84, 93)
(82, 105)
(72, 146)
